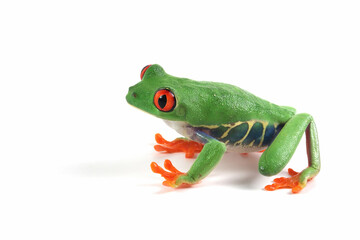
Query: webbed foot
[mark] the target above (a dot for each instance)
(173, 178)
(178, 145)
(296, 182)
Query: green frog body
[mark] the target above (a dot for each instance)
(217, 117)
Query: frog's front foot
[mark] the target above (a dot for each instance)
(178, 145)
(173, 178)
(296, 182)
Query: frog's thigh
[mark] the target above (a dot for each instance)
(278, 154)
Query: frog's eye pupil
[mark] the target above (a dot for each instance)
(144, 70)
(164, 100)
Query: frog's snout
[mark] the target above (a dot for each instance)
(130, 97)
(133, 94)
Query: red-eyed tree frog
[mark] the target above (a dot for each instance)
(216, 117)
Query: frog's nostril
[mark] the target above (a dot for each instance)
(134, 94)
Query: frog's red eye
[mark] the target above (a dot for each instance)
(164, 100)
(144, 70)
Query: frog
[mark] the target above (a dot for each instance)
(214, 118)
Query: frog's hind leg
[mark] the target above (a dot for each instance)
(278, 154)
(178, 145)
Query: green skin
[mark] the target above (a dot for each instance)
(200, 103)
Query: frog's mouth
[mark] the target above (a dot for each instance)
(139, 108)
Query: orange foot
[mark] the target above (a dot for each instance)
(174, 178)
(178, 145)
(291, 182)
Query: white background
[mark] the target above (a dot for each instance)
(74, 156)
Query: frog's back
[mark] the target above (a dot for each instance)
(213, 103)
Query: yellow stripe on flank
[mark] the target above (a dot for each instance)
(251, 124)
(229, 126)
(252, 143)
(265, 124)
(208, 126)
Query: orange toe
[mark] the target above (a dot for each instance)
(170, 176)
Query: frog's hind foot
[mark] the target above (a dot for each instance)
(178, 145)
(296, 182)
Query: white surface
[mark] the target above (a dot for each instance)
(74, 156)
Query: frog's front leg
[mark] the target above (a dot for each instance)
(178, 145)
(278, 154)
(210, 155)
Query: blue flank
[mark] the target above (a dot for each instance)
(238, 132)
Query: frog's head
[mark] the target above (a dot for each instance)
(158, 94)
